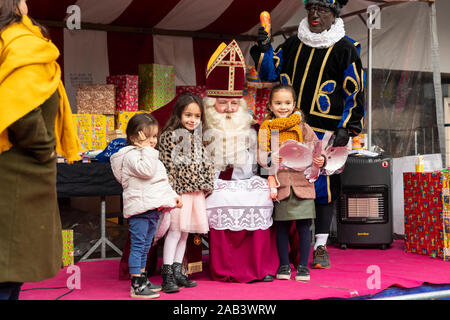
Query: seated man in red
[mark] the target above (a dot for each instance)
(241, 243)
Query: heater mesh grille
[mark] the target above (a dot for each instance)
(369, 205)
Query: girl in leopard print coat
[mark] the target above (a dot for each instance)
(191, 175)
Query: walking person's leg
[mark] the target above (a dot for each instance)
(322, 226)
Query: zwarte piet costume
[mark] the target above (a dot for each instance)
(326, 72)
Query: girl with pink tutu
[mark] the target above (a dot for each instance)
(191, 175)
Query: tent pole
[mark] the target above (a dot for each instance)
(437, 82)
(369, 85)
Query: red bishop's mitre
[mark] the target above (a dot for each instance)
(225, 74)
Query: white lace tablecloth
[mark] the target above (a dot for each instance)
(240, 205)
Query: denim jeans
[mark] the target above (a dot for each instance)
(10, 290)
(142, 229)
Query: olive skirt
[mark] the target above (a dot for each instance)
(294, 208)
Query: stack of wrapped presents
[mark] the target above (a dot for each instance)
(103, 110)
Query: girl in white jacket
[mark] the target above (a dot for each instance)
(146, 189)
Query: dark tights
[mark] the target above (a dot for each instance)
(304, 235)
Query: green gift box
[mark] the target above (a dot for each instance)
(156, 86)
(67, 236)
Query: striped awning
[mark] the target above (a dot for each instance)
(118, 35)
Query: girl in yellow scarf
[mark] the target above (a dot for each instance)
(295, 194)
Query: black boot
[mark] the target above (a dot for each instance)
(139, 288)
(181, 279)
(169, 284)
(150, 285)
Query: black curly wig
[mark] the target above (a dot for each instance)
(335, 5)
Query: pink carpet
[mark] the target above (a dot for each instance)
(347, 277)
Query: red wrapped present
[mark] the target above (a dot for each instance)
(250, 98)
(446, 213)
(262, 99)
(127, 91)
(197, 90)
(257, 94)
(424, 223)
(261, 92)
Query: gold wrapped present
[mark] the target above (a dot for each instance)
(91, 130)
(67, 237)
(122, 118)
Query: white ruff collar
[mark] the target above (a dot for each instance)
(322, 40)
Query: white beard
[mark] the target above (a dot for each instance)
(234, 129)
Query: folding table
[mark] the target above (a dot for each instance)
(93, 179)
